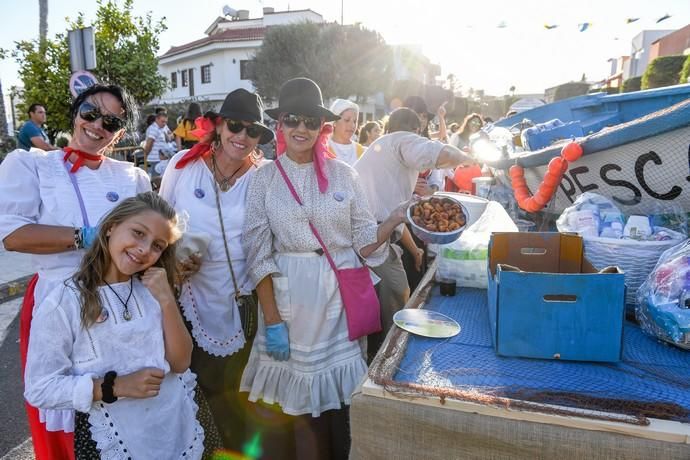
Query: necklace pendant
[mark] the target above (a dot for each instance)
(224, 186)
(127, 315)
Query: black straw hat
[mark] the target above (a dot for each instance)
(241, 105)
(301, 96)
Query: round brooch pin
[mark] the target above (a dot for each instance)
(199, 193)
(112, 196)
(339, 196)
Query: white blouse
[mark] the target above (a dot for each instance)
(208, 297)
(64, 358)
(276, 223)
(35, 188)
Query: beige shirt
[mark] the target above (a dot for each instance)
(389, 168)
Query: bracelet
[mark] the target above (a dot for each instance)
(78, 244)
(108, 396)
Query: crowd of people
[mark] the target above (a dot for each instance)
(210, 315)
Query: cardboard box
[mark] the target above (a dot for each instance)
(547, 301)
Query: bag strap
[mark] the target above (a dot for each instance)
(311, 225)
(75, 185)
(222, 231)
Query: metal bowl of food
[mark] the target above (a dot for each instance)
(437, 219)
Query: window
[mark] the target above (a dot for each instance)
(246, 70)
(185, 79)
(206, 73)
(173, 80)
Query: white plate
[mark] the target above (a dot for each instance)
(426, 323)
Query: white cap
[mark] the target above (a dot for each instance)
(340, 105)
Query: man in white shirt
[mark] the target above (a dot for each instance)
(158, 136)
(388, 172)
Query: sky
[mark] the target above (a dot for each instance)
(462, 36)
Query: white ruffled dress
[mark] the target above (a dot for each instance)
(324, 366)
(64, 358)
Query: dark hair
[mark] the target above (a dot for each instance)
(465, 129)
(403, 119)
(160, 110)
(161, 113)
(366, 130)
(150, 119)
(97, 260)
(33, 107)
(126, 101)
(193, 112)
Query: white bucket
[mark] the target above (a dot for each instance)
(475, 205)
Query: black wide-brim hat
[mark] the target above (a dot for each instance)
(301, 96)
(241, 105)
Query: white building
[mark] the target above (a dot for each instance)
(639, 54)
(209, 68)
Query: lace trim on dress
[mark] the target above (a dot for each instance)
(208, 343)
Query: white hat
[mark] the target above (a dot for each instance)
(340, 105)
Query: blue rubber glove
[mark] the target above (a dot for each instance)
(88, 236)
(277, 343)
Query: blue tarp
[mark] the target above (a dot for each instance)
(650, 373)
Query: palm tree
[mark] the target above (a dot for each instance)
(3, 117)
(42, 23)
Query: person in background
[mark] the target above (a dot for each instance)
(471, 124)
(158, 136)
(369, 133)
(184, 138)
(463, 175)
(31, 133)
(388, 172)
(302, 358)
(50, 206)
(340, 143)
(209, 183)
(418, 104)
(453, 128)
(110, 343)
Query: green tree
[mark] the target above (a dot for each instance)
(685, 72)
(126, 48)
(663, 71)
(631, 84)
(344, 60)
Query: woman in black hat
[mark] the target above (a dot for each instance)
(302, 359)
(209, 183)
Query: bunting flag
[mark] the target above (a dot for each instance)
(550, 26)
(631, 20)
(584, 26)
(663, 18)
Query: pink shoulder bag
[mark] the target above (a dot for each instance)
(362, 308)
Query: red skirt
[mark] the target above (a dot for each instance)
(48, 445)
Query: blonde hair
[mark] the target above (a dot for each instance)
(97, 260)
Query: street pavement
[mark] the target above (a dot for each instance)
(15, 442)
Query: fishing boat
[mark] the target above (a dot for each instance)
(636, 149)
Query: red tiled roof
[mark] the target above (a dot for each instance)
(231, 35)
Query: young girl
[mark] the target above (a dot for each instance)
(110, 343)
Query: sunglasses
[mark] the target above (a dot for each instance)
(292, 121)
(91, 113)
(236, 127)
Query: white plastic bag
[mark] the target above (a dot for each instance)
(465, 259)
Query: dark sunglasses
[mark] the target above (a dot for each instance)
(235, 127)
(91, 113)
(292, 121)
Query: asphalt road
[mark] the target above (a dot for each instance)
(14, 430)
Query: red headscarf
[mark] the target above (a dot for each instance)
(320, 149)
(204, 130)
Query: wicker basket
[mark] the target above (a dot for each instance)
(636, 258)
